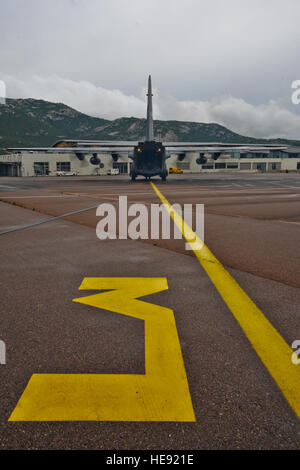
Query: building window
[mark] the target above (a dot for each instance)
(259, 166)
(298, 165)
(219, 166)
(122, 167)
(41, 168)
(232, 166)
(274, 166)
(245, 166)
(63, 166)
(207, 167)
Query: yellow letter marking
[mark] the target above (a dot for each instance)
(162, 394)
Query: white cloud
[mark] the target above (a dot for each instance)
(194, 49)
(82, 95)
(266, 120)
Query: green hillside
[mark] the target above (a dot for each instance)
(29, 122)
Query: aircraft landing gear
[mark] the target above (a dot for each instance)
(133, 176)
(164, 176)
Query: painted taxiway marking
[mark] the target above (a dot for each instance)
(272, 349)
(161, 394)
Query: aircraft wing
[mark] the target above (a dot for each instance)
(89, 147)
(105, 148)
(82, 146)
(98, 143)
(211, 147)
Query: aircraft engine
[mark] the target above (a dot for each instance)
(201, 160)
(95, 160)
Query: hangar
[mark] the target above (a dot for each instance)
(10, 165)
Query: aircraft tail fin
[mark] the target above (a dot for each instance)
(149, 128)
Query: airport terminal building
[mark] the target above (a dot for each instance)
(37, 163)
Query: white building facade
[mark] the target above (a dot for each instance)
(37, 163)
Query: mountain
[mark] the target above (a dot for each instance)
(34, 123)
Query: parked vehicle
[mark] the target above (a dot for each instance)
(174, 169)
(113, 171)
(66, 173)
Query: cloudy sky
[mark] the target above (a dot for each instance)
(226, 61)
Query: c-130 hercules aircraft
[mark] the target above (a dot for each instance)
(149, 156)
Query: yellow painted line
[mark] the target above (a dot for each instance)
(272, 349)
(161, 394)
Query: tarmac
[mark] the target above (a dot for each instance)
(252, 226)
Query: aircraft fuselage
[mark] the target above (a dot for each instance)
(149, 159)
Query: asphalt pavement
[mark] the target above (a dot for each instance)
(252, 226)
